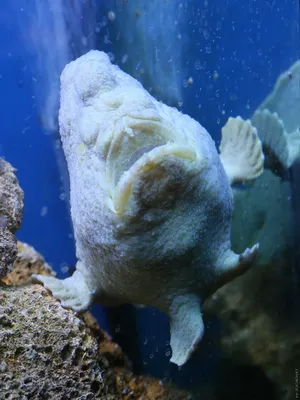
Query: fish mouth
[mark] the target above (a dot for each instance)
(138, 146)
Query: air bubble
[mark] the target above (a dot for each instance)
(84, 41)
(111, 57)
(111, 16)
(208, 49)
(44, 211)
(206, 34)
(197, 65)
(190, 81)
(124, 58)
(64, 268)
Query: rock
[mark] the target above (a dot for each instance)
(11, 208)
(48, 352)
(27, 262)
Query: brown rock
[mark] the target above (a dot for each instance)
(48, 352)
(27, 262)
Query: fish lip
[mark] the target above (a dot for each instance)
(127, 126)
(147, 160)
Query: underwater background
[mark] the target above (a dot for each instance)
(210, 58)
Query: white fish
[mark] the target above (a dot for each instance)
(151, 201)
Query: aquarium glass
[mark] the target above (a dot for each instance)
(212, 60)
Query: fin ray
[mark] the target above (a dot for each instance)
(241, 151)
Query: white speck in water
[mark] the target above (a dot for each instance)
(190, 81)
(151, 356)
(180, 103)
(64, 268)
(219, 25)
(83, 41)
(145, 341)
(111, 57)
(168, 353)
(197, 65)
(124, 58)
(206, 34)
(44, 211)
(57, 144)
(62, 196)
(111, 16)
(106, 39)
(208, 49)
(118, 328)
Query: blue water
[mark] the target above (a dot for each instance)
(233, 50)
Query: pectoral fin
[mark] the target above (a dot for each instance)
(72, 292)
(186, 327)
